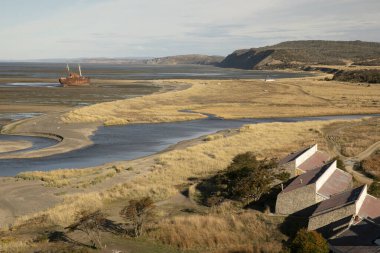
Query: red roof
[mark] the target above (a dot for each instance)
(316, 160)
(370, 208)
(339, 200)
(359, 238)
(338, 182)
(307, 178)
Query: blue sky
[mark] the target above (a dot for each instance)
(41, 29)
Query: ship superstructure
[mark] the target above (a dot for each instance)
(74, 79)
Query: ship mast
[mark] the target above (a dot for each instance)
(80, 71)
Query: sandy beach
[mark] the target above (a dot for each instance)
(8, 146)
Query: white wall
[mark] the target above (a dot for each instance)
(325, 176)
(361, 199)
(306, 155)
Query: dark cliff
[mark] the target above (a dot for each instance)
(298, 54)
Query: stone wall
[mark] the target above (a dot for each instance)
(320, 198)
(296, 200)
(324, 219)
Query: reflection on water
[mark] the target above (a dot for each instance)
(38, 143)
(18, 116)
(49, 85)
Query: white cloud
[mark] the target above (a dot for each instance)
(118, 28)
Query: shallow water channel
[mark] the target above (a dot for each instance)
(134, 141)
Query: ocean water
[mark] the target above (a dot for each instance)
(135, 71)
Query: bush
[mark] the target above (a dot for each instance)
(309, 242)
(374, 189)
(136, 213)
(362, 76)
(339, 163)
(91, 224)
(246, 179)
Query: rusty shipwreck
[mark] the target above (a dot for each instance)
(74, 79)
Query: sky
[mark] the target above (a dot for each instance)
(48, 29)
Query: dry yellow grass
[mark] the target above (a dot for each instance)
(352, 138)
(237, 99)
(172, 169)
(13, 245)
(175, 167)
(72, 177)
(64, 213)
(371, 164)
(251, 231)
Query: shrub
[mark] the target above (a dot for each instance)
(339, 163)
(309, 242)
(363, 76)
(91, 224)
(136, 213)
(246, 178)
(374, 189)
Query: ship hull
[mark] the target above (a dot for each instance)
(83, 81)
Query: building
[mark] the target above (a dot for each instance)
(312, 187)
(304, 160)
(360, 237)
(323, 196)
(347, 204)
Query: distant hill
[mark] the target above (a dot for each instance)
(125, 60)
(97, 60)
(187, 59)
(298, 54)
(169, 60)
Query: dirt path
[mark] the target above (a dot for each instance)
(351, 161)
(303, 91)
(369, 151)
(332, 139)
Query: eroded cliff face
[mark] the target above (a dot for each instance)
(246, 58)
(300, 54)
